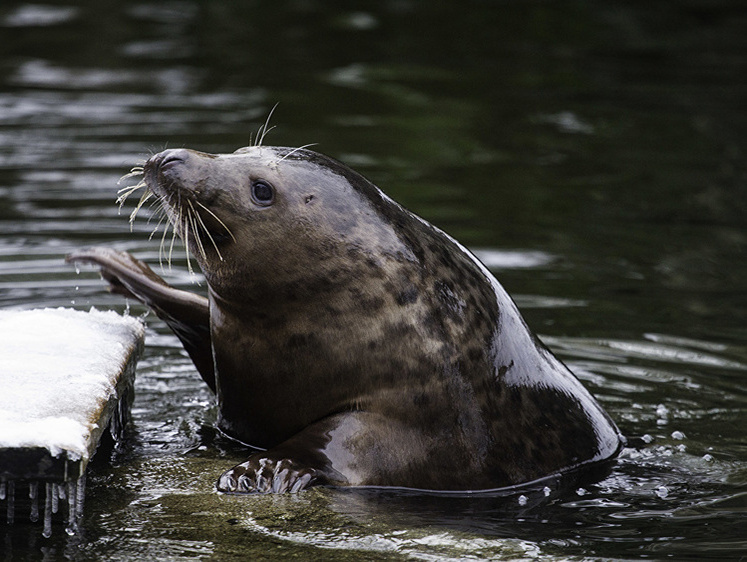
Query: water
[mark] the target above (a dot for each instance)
(594, 155)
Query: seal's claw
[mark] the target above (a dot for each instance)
(301, 483)
(245, 485)
(227, 482)
(261, 475)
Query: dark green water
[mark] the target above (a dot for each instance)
(592, 153)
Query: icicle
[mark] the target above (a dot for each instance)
(53, 494)
(81, 498)
(118, 423)
(48, 509)
(114, 425)
(33, 496)
(119, 419)
(122, 412)
(72, 512)
(11, 498)
(2, 491)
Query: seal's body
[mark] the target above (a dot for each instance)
(354, 341)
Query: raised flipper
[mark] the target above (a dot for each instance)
(187, 314)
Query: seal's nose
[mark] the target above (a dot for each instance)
(167, 169)
(169, 158)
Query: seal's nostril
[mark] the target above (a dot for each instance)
(170, 161)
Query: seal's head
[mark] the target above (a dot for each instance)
(264, 214)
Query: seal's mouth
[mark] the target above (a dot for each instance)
(177, 206)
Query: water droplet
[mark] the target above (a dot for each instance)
(546, 491)
(662, 411)
(662, 492)
(523, 499)
(581, 491)
(647, 439)
(708, 458)
(678, 435)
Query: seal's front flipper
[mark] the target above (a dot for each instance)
(348, 449)
(309, 458)
(294, 465)
(187, 314)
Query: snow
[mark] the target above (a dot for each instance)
(58, 369)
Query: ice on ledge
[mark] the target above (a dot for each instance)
(59, 368)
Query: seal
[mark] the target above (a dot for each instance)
(354, 342)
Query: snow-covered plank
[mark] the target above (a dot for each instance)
(65, 375)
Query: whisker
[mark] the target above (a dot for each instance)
(294, 151)
(145, 197)
(173, 239)
(159, 209)
(185, 239)
(210, 236)
(264, 128)
(228, 230)
(161, 246)
(125, 192)
(135, 171)
(262, 138)
(191, 214)
(158, 225)
(130, 188)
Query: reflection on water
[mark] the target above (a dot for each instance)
(592, 155)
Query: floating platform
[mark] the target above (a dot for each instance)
(66, 377)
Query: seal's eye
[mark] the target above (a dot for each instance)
(262, 193)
